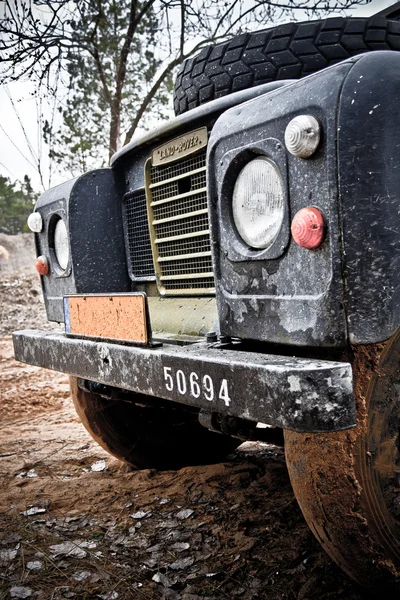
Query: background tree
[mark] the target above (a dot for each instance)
(16, 203)
(111, 62)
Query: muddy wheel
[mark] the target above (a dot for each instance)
(163, 437)
(348, 483)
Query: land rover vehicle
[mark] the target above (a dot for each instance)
(240, 264)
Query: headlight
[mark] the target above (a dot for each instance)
(258, 203)
(61, 246)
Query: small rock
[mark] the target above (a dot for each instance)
(86, 544)
(163, 579)
(68, 549)
(155, 548)
(151, 563)
(31, 473)
(34, 565)
(121, 540)
(19, 591)
(109, 596)
(132, 530)
(182, 563)
(34, 510)
(180, 546)
(100, 465)
(140, 541)
(168, 524)
(184, 514)
(7, 555)
(141, 514)
(164, 500)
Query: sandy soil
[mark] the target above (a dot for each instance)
(76, 523)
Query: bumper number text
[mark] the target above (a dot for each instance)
(196, 386)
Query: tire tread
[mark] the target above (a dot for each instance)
(293, 50)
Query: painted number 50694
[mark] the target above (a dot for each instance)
(196, 386)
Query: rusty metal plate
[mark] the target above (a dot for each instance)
(184, 145)
(120, 317)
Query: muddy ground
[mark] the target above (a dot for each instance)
(76, 523)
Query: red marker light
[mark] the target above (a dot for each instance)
(308, 228)
(42, 265)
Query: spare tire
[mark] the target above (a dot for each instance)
(288, 51)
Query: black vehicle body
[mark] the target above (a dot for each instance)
(284, 318)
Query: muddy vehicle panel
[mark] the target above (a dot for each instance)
(240, 265)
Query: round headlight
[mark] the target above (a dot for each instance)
(61, 246)
(258, 203)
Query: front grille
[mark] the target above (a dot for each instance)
(179, 227)
(140, 255)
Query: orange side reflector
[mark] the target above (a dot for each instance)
(308, 227)
(42, 265)
(121, 317)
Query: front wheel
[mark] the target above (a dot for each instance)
(161, 435)
(348, 483)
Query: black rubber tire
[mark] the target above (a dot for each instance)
(288, 51)
(347, 483)
(164, 437)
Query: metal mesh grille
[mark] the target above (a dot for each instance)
(137, 229)
(166, 191)
(190, 265)
(185, 246)
(180, 206)
(179, 168)
(180, 228)
(201, 283)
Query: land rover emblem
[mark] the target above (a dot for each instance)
(179, 147)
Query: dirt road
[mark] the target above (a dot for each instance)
(76, 523)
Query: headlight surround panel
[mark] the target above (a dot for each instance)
(283, 294)
(90, 211)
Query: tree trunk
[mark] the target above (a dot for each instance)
(114, 127)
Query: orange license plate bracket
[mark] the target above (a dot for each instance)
(119, 317)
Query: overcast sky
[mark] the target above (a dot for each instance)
(15, 156)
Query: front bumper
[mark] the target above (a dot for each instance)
(293, 393)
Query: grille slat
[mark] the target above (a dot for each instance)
(183, 256)
(179, 217)
(187, 276)
(178, 197)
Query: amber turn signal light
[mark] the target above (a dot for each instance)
(42, 265)
(308, 227)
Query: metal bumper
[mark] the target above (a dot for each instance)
(293, 393)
